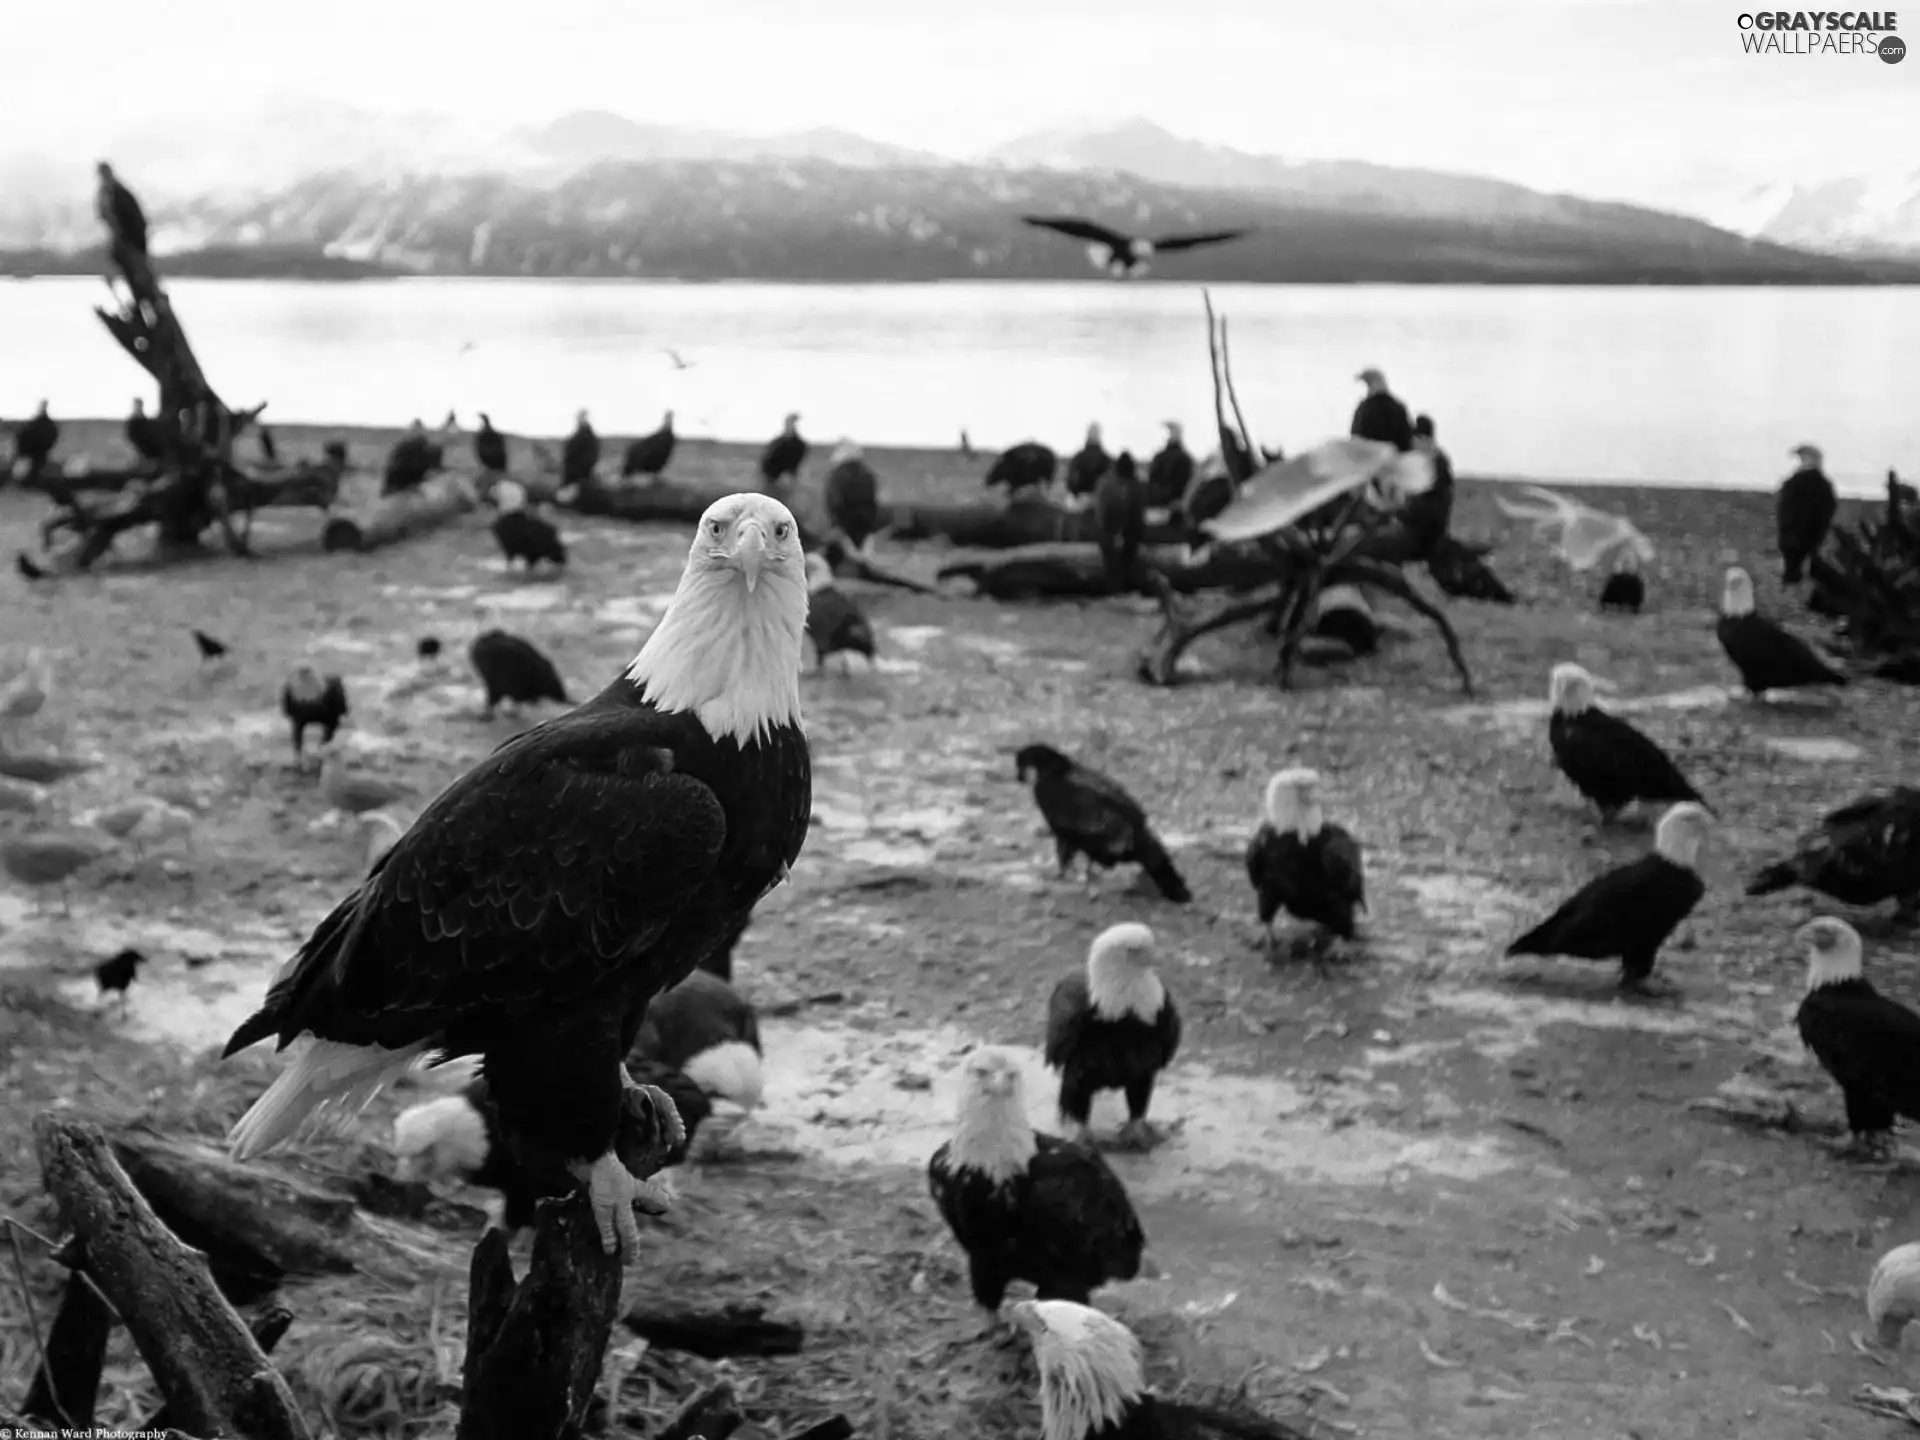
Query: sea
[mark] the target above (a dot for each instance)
(1640, 385)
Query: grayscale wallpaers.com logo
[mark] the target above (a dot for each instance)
(1823, 32)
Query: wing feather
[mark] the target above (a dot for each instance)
(1079, 229)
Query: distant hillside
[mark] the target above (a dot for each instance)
(813, 220)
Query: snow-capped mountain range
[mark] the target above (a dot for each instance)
(420, 192)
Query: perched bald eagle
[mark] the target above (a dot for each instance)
(489, 446)
(853, 496)
(1026, 466)
(119, 211)
(1627, 913)
(309, 699)
(1170, 471)
(835, 624)
(1028, 1206)
(1864, 852)
(1112, 1027)
(1869, 1044)
(523, 535)
(535, 907)
(1767, 656)
(1087, 464)
(785, 453)
(1804, 509)
(1626, 589)
(1093, 1385)
(1608, 760)
(1121, 255)
(650, 454)
(1120, 520)
(1303, 863)
(581, 454)
(513, 669)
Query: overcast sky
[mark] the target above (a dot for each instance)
(1596, 96)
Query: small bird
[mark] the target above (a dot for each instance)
(1026, 466)
(143, 433)
(489, 446)
(966, 446)
(1120, 520)
(1121, 255)
(1303, 863)
(28, 570)
(1091, 815)
(513, 669)
(53, 857)
(382, 832)
(785, 453)
(834, 622)
(1865, 852)
(428, 648)
(459, 1137)
(1893, 1293)
(1170, 471)
(1625, 589)
(1869, 1044)
(522, 535)
(355, 791)
(678, 362)
(852, 496)
(1628, 912)
(26, 694)
(1608, 760)
(650, 454)
(115, 207)
(1113, 1026)
(1087, 464)
(309, 699)
(114, 975)
(209, 648)
(581, 454)
(1025, 1205)
(1767, 656)
(1093, 1385)
(1804, 508)
(143, 820)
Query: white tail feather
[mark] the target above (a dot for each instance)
(326, 1076)
(730, 1071)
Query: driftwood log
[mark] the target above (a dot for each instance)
(713, 1414)
(1064, 572)
(212, 1373)
(713, 1334)
(401, 514)
(535, 1348)
(268, 1328)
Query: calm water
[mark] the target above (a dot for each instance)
(1689, 386)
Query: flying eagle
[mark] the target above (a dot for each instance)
(1125, 256)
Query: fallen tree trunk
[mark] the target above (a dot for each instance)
(210, 1370)
(1075, 572)
(714, 1334)
(1871, 586)
(401, 515)
(1024, 520)
(268, 1328)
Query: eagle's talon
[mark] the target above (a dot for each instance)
(612, 1191)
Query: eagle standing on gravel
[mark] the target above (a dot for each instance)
(1608, 760)
(1112, 1027)
(539, 904)
(1091, 815)
(1869, 1044)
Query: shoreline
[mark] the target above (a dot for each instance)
(96, 431)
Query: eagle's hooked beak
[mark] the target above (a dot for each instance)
(750, 552)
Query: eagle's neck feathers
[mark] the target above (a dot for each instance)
(993, 1136)
(729, 657)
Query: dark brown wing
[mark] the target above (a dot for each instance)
(1080, 229)
(1067, 1012)
(1163, 244)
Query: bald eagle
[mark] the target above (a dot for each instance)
(1869, 1044)
(119, 211)
(1113, 1026)
(1767, 656)
(1121, 255)
(785, 453)
(537, 906)
(1608, 760)
(1865, 852)
(1303, 863)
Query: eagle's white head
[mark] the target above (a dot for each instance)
(1570, 688)
(1893, 1293)
(728, 648)
(1120, 975)
(1091, 1370)
(1682, 833)
(1174, 431)
(441, 1138)
(509, 495)
(1627, 561)
(792, 425)
(1832, 948)
(1093, 433)
(843, 452)
(991, 1132)
(1293, 803)
(1809, 456)
(1736, 599)
(305, 686)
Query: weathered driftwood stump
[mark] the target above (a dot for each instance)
(212, 1373)
(1871, 586)
(534, 1349)
(1062, 572)
(400, 515)
(713, 1334)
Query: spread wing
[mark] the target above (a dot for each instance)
(1164, 243)
(1079, 229)
(559, 859)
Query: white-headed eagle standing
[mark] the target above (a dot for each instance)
(1608, 760)
(1868, 1043)
(589, 863)
(1112, 1027)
